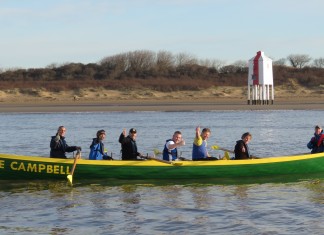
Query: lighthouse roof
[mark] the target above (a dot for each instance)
(261, 55)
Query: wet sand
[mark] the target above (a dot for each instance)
(160, 105)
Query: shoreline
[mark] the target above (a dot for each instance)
(165, 105)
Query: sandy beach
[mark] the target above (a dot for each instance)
(100, 100)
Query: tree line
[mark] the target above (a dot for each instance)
(161, 71)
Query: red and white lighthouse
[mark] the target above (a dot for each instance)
(260, 80)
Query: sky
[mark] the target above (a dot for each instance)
(38, 33)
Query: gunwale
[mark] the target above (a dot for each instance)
(277, 159)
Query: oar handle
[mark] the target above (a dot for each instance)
(159, 160)
(227, 150)
(77, 156)
(231, 151)
(155, 159)
(254, 157)
(184, 159)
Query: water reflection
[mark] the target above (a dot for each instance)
(316, 187)
(129, 205)
(56, 208)
(241, 192)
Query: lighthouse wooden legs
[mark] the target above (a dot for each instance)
(260, 94)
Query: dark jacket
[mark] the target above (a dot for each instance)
(60, 147)
(129, 148)
(239, 154)
(316, 144)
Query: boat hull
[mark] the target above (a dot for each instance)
(296, 167)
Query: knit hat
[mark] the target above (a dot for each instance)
(100, 132)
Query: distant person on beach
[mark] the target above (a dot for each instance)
(128, 145)
(199, 148)
(316, 144)
(59, 146)
(170, 151)
(97, 148)
(241, 149)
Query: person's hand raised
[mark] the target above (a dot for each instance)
(57, 137)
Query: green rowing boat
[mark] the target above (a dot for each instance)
(296, 167)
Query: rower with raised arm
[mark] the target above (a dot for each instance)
(170, 151)
(128, 145)
(199, 148)
(59, 146)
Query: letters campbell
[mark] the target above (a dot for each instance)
(37, 167)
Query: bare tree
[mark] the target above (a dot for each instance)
(117, 62)
(214, 63)
(298, 60)
(319, 63)
(164, 60)
(280, 62)
(185, 59)
(241, 64)
(218, 64)
(228, 69)
(52, 66)
(205, 63)
(141, 60)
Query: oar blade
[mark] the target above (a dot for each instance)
(214, 147)
(156, 151)
(177, 163)
(70, 179)
(227, 156)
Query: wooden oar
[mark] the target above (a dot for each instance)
(227, 156)
(216, 147)
(161, 160)
(227, 151)
(70, 176)
(184, 159)
(156, 152)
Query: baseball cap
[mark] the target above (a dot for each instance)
(318, 127)
(132, 130)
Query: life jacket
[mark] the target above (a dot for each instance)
(169, 155)
(319, 148)
(317, 143)
(96, 150)
(320, 141)
(199, 152)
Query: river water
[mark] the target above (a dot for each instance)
(131, 207)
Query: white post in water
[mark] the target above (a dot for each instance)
(260, 80)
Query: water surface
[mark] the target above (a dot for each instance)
(133, 207)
